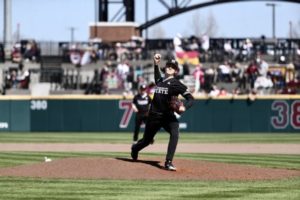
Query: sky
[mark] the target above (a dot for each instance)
(50, 20)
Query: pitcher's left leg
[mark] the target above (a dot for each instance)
(173, 129)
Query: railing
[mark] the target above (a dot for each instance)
(280, 45)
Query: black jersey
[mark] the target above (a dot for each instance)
(165, 89)
(142, 103)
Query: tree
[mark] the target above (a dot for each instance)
(295, 31)
(212, 26)
(204, 26)
(157, 31)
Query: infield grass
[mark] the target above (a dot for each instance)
(161, 137)
(262, 160)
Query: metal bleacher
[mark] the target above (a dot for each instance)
(64, 77)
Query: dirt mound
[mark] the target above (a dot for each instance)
(150, 169)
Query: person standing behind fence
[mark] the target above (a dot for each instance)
(140, 105)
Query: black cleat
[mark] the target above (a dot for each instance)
(169, 166)
(134, 155)
(152, 142)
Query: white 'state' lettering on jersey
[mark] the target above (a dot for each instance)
(161, 90)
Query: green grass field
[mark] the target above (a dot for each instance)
(34, 188)
(20, 188)
(160, 138)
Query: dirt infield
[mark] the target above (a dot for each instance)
(145, 169)
(148, 169)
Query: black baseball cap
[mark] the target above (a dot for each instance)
(173, 63)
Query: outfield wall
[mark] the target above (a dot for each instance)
(113, 113)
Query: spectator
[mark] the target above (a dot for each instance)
(252, 72)
(23, 77)
(121, 52)
(278, 79)
(224, 72)
(11, 79)
(263, 66)
(199, 78)
(94, 56)
(112, 54)
(205, 43)
(16, 55)
(95, 86)
(86, 57)
(7, 81)
(112, 81)
(138, 72)
(228, 51)
(223, 92)
(214, 92)
(122, 71)
(129, 80)
(263, 84)
(104, 73)
(138, 44)
(246, 51)
(75, 56)
(292, 87)
(242, 78)
(32, 52)
(290, 72)
(141, 81)
(235, 72)
(209, 77)
(194, 46)
(177, 42)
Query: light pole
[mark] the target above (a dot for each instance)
(72, 30)
(7, 21)
(273, 5)
(291, 29)
(146, 17)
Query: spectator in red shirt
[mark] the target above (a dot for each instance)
(252, 72)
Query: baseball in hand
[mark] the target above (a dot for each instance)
(157, 56)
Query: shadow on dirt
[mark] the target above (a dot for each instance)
(147, 162)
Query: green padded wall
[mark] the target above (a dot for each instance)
(206, 115)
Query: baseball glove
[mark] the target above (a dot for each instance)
(175, 103)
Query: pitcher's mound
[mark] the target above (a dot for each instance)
(150, 169)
